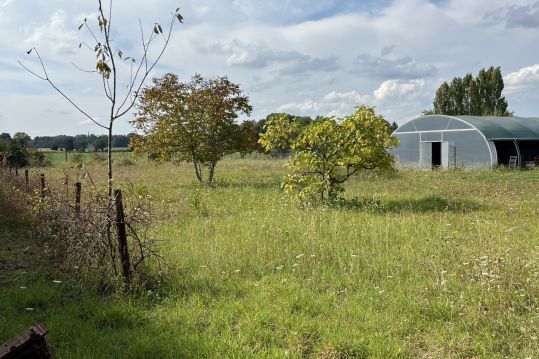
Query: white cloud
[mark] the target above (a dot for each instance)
(397, 100)
(395, 89)
(523, 78)
(3, 6)
(307, 106)
(54, 36)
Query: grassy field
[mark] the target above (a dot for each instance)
(422, 265)
(58, 158)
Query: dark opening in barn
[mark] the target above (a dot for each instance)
(505, 150)
(529, 153)
(436, 154)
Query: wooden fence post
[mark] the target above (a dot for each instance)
(122, 237)
(26, 179)
(78, 190)
(42, 185)
(66, 185)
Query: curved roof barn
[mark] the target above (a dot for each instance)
(468, 141)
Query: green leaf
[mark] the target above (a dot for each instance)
(179, 17)
(29, 51)
(81, 25)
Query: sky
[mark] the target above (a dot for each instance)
(304, 57)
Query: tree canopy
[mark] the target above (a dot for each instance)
(192, 122)
(15, 150)
(327, 152)
(479, 96)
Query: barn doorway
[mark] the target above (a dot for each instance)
(436, 154)
(436, 160)
(505, 150)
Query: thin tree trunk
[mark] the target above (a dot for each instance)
(110, 198)
(197, 171)
(109, 160)
(211, 172)
(331, 190)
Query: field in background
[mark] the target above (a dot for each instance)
(57, 157)
(421, 264)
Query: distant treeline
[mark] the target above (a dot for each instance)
(88, 143)
(302, 120)
(91, 143)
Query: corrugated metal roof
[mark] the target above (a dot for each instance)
(495, 128)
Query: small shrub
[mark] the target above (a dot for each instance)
(77, 158)
(124, 162)
(37, 159)
(99, 157)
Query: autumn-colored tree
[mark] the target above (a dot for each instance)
(327, 152)
(192, 122)
(248, 140)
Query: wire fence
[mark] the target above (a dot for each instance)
(97, 235)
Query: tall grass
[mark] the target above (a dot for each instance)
(418, 264)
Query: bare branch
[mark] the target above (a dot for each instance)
(32, 72)
(147, 72)
(46, 78)
(84, 70)
(87, 46)
(110, 17)
(91, 33)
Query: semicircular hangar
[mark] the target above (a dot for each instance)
(440, 141)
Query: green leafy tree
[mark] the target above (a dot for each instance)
(80, 142)
(68, 143)
(479, 96)
(100, 143)
(191, 122)
(391, 127)
(15, 150)
(248, 138)
(5, 145)
(22, 139)
(327, 152)
(300, 121)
